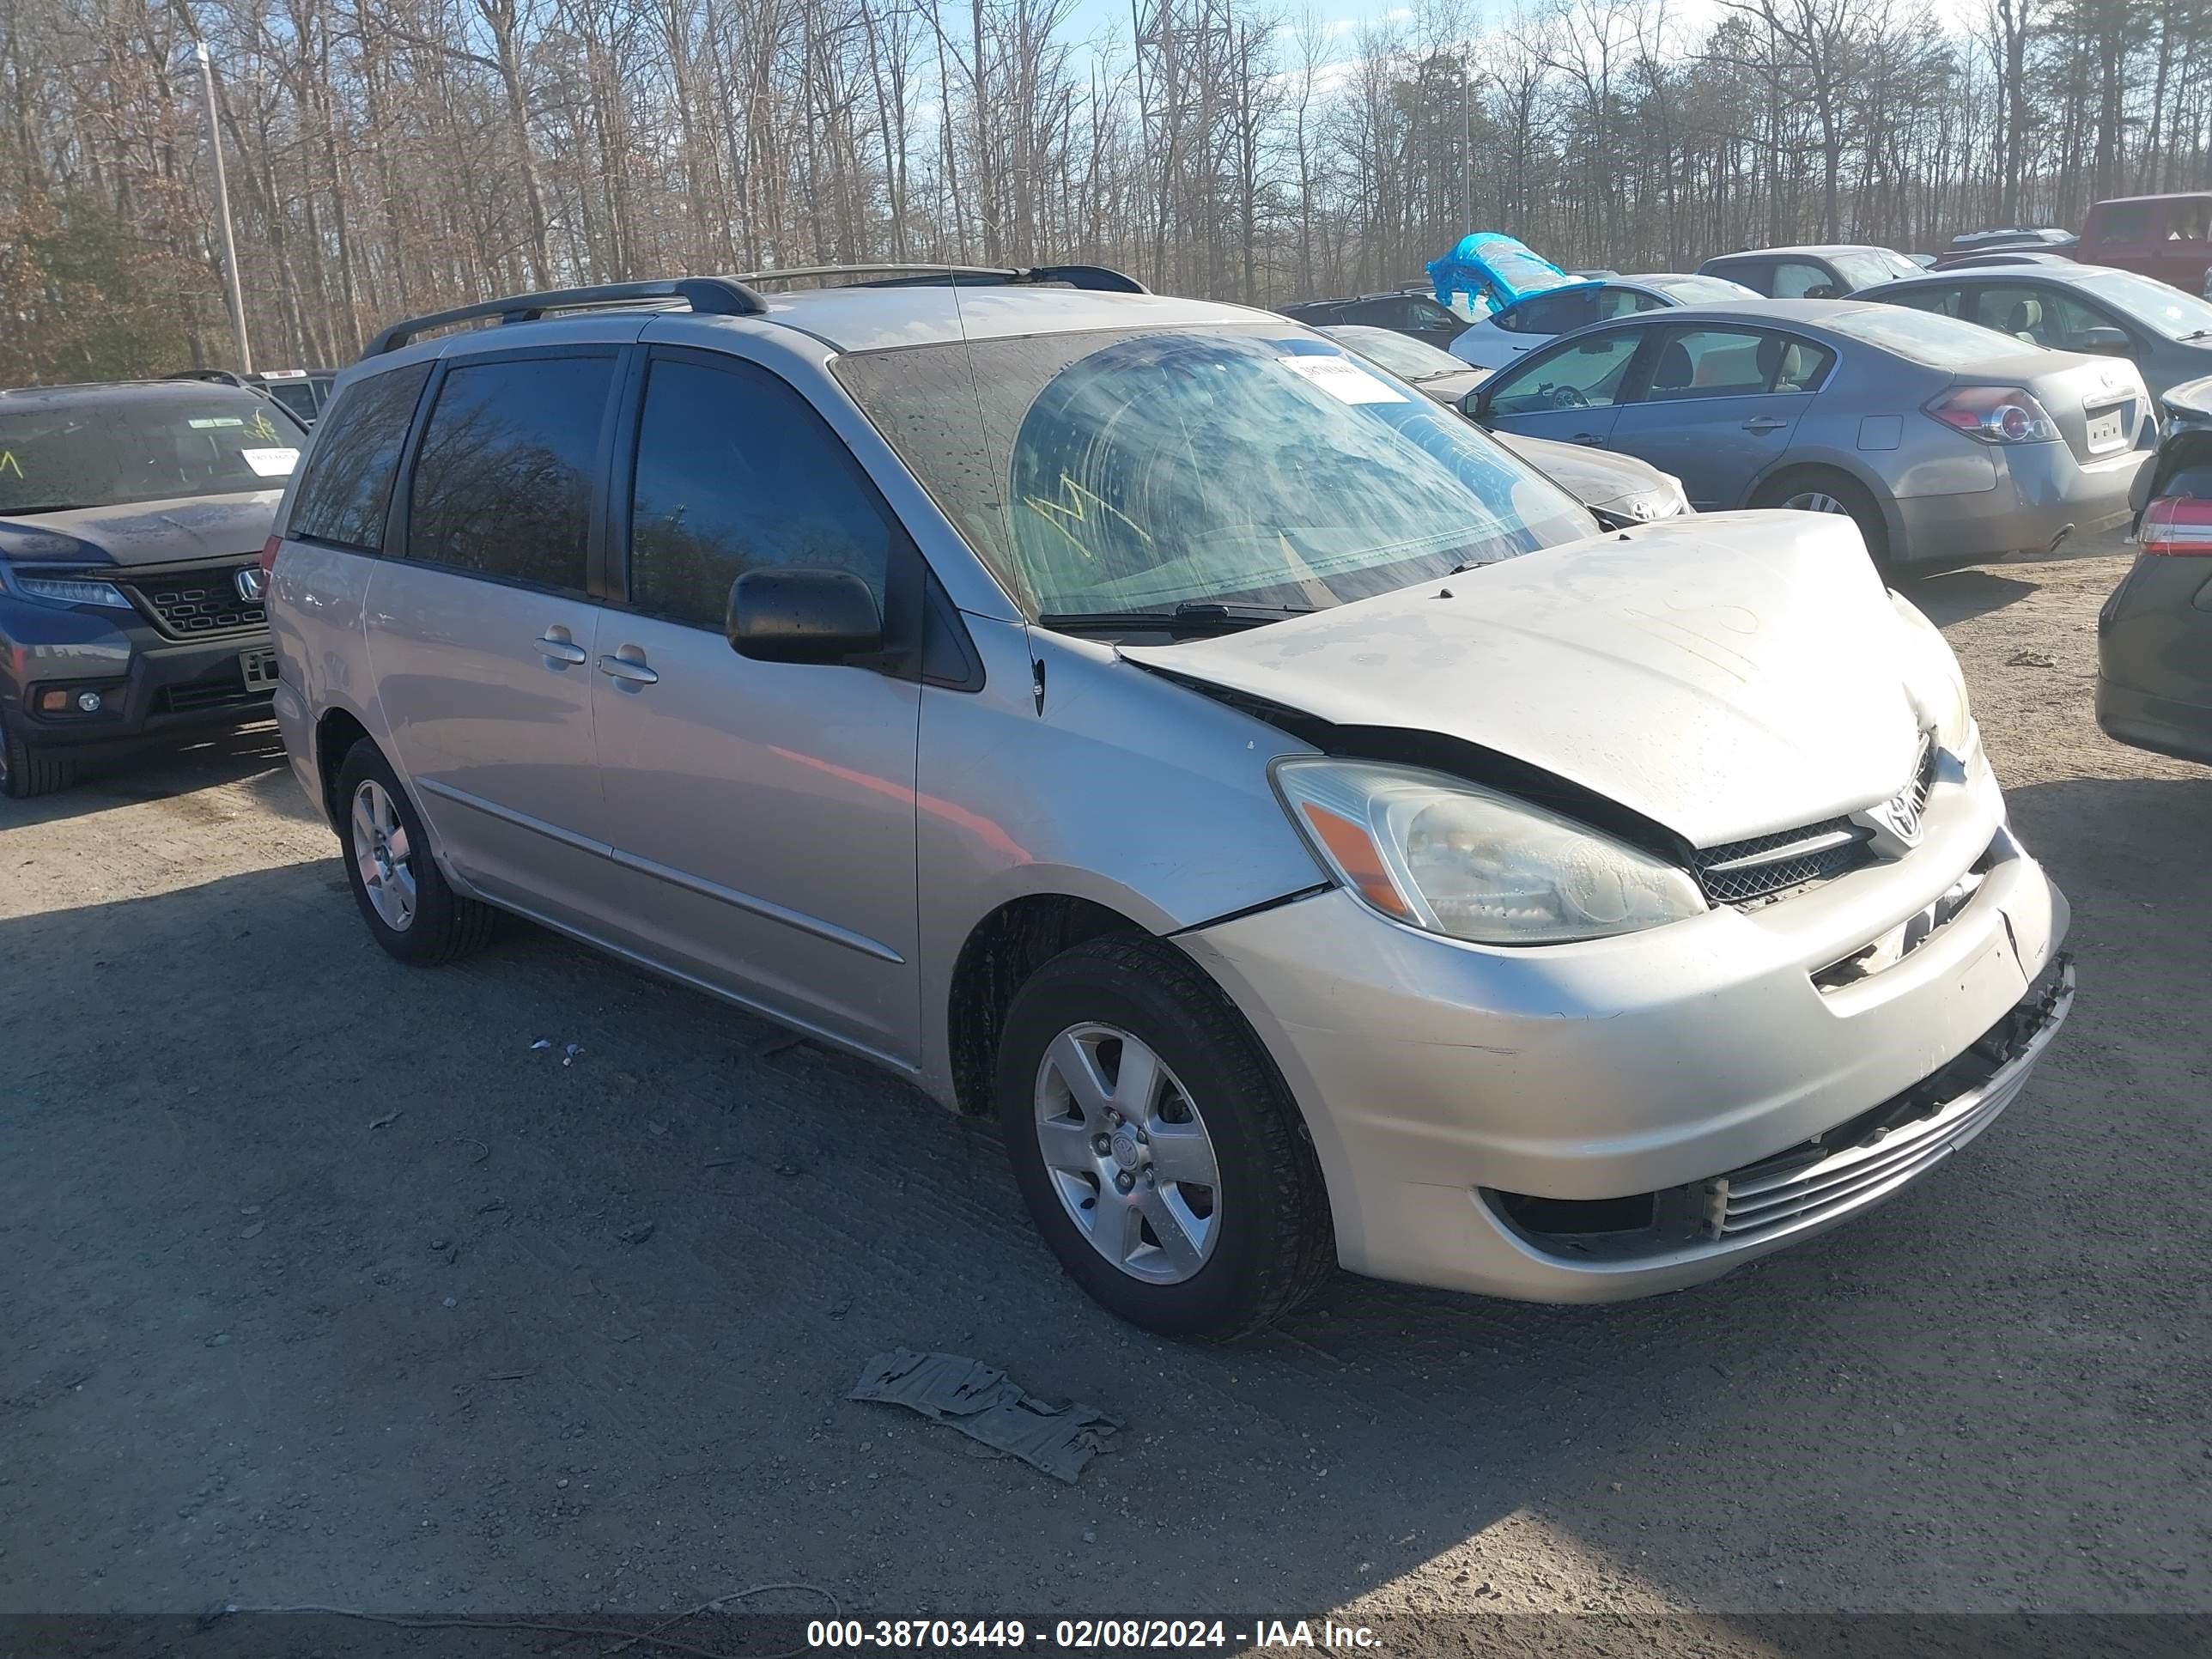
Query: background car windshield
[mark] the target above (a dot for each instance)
(1864, 270)
(88, 454)
(1139, 471)
(2177, 315)
(1400, 354)
(1704, 290)
(1924, 337)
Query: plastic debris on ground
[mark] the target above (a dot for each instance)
(985, 1404)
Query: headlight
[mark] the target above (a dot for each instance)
(1457, 859)
(1934, 678)
(65, 591)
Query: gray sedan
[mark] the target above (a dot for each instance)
(1618, 490)
(1944, 443)
(2165, 333)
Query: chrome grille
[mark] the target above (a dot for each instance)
(1764, 867)
(1761, 868)
(194, 603)
(1855, 1163)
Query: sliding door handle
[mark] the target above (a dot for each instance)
(629, 670)
(557, 651)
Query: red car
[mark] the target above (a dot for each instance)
(2168, 237)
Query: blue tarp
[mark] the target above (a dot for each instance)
(1494, 270)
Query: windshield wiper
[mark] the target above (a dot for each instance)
(1190, 618)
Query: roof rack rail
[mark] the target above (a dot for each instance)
(916, 274)
(716, 296)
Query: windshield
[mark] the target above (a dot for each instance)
(1113, 472)
(1924, 337)
(102, 453)
(1704, 290)
(2177, 315)
(1861, 270)
(1403, 355)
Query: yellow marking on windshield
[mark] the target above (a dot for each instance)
(10, 464)
(261, 426)
(1074, 508)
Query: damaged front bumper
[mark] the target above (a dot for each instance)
(1601, 1121)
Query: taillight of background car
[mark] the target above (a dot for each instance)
(2178, 526)
(269, 550)
(1995, 415)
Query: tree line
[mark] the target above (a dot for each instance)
(388, 157)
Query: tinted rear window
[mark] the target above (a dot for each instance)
(1922, 336)
(503, 484)
(348, 483)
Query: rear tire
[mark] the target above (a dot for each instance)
(1225, 1225)
(25, 771)
(409, 906)
(1819, 490)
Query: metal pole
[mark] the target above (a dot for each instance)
(1466, 141)
(222, 212)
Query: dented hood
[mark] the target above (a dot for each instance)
(1725, 675)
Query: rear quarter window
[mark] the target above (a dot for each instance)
(347, 486)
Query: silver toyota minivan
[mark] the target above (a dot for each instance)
(1314, 839)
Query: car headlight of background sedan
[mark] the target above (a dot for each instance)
(1454, 858)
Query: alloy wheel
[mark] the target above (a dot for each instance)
(1816, 500)
(383, 855)
(1127, 1153)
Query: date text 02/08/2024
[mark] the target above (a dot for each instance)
(1087, 1634)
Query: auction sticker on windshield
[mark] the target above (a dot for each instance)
(271, 463)
(1344, 381)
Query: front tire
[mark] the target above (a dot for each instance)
(409, 906)
(1158, 1153)
(25, 772)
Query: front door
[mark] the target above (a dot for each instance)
(761, 813)
(479, 632)
(1721, 407)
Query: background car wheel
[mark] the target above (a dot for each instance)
(407, 902)
(24, 771)
(1812, 489)
(1158, 1151)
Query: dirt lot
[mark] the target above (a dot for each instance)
(322, 1285)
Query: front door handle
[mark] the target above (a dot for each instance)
(630, 670)
(1764, 423)
(558, 649)
(1589, 439)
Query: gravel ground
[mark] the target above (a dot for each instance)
(324, 1286)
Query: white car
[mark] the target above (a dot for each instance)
(1538, 318)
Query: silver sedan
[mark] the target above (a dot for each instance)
(1947, 444)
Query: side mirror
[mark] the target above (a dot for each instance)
(803, 615)
(1475, 405)
(2104, 339)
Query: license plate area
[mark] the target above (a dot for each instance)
(2108, 429)
(258, 667)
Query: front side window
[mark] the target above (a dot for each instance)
(348, 483)
(2037, 315)
(1586, 375)
(1121, 471)
(1795, 279)
(97, 451)
(737, 473)
(503, 482)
